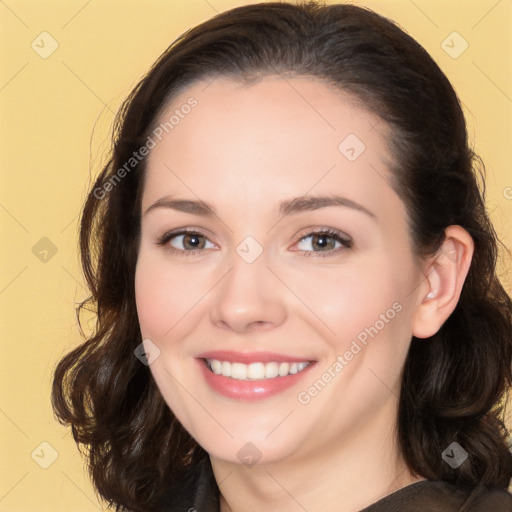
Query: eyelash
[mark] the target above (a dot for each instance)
(330, 233)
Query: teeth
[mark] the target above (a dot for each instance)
(271, 370)
(226, 369)
(238, 371)
(283, 369)
(254, 371)
(215, 366)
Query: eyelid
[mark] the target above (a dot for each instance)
(315, 230)
(164, 240)
(342, 238)
(339, 236)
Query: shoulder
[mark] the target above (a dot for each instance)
(440, 496)
(483, 499)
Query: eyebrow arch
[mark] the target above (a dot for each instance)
(288, 207)
(305, 203)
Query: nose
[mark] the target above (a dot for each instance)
(249, 298)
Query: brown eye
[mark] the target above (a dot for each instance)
(191, 241)
(185, 242)
(328, 242)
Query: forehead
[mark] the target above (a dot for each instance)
(277, 137)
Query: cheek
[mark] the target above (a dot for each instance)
(150, 299)
(161, 295)
(347, 300)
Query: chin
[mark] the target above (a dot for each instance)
(250, 453)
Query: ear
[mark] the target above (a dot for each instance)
(445, 275)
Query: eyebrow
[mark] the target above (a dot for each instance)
(288, 207)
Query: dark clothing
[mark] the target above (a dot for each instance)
(439, 496)
(201, 494)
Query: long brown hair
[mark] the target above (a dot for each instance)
(452, 383)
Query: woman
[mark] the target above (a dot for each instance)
(294, 278)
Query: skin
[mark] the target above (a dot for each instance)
(244, 149)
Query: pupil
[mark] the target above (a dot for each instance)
(193, 240)
(322, 241)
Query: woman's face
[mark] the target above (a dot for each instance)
(274, 279)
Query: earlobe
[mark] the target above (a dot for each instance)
(443, 282)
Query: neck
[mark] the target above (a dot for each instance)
(346, 477)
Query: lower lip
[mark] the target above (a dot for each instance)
(250, 389)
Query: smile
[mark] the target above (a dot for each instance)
(255, 371)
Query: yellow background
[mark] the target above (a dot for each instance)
(55, 117)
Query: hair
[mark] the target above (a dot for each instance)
(454, 383)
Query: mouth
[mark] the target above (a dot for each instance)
(251, 376)
(255, 371)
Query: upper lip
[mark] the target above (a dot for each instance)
(250, 357)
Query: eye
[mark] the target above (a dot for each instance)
(328, 240)
(190, 242)
(187, 242)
